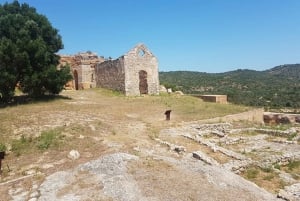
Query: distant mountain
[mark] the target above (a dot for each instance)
(291, 71)
(276, 87)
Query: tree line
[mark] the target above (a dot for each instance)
(275, 88)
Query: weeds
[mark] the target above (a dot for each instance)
(22, 145)
(269, 177)
(252, 173)
(291, 136)
(277, 166)
(44, 141)
(293, 165)
(267, 169)
(2, 147)
(49, 138)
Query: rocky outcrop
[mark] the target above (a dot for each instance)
(291, 193)
(203, 157)
(174, 147)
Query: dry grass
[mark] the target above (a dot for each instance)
(94, 122)
(265, 178)
(98, 121)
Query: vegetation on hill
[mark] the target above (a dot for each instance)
(275, 88)
(28, 47)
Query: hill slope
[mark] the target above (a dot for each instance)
(276, 87)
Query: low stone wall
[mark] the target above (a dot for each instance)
(255, 116)
(281, 118)
(214, 98)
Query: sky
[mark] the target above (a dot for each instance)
(196, 35)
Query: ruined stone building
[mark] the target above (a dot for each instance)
(83, 69)
(134, 73)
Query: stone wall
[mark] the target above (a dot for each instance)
(135, 73)
(87, 76)
(281, 118)
(110, 74)
(214, 98)
(84, 64)
(136, 60)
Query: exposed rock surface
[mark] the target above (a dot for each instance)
(108, 178)
(291, 193)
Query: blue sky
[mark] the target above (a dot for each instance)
(196, 35)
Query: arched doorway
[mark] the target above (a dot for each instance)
(76, 79)
(143, 85)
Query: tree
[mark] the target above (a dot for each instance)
(28, 47)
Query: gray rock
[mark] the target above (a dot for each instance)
(203, 157)
(291, 193)
(74, 154)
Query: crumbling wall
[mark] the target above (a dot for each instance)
(134, 74)
(281, 118)
(136, 60)
(110, 74)
(86, 76)
(84, 64)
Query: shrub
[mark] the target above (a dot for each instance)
(267, 169)
(48, 138)
(21, 145)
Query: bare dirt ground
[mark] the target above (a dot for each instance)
(128, 151)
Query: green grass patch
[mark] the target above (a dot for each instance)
(2, 147)
(251, 173)
(267, 169)
(293, 165)
(269, 177)
(277, 166)
(291, 136)
(49, 138)
(22, 145)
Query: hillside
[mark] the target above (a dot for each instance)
(97, 144)
(276, 87)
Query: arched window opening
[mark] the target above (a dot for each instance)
(141, 53)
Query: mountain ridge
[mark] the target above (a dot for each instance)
(275, 87)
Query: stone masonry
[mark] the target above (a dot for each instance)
(82, 68)
(134, 73)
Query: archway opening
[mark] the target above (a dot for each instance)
(76, 80)
(143, 84)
